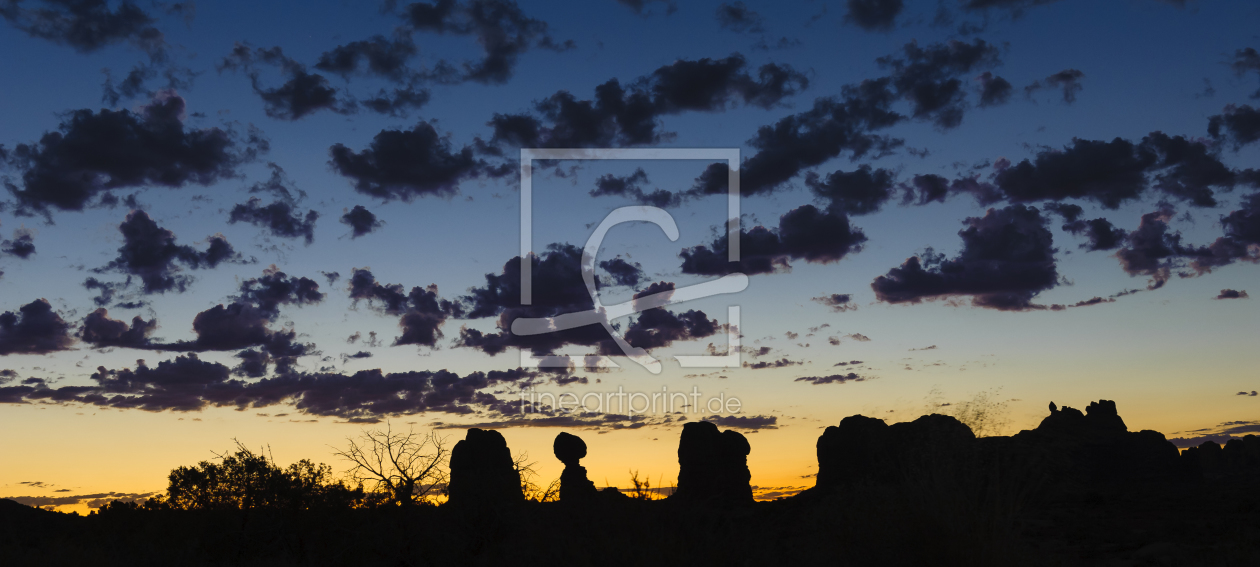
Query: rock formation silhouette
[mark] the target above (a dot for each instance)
(574, 486)
(867, 449)
(1239, 458)
(482, 471)
(1068, 446)
(712, 465)
(1096, 446)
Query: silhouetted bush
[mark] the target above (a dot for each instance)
(246, 480)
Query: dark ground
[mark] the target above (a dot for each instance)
(931, 522)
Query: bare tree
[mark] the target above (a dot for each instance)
(985, 413)
(407, 467)
(533, 491)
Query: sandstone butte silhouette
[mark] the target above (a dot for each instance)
(1070, 448)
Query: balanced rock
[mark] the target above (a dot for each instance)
(482, 471)
(712, 465)
(574, 486)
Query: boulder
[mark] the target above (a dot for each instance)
(864, 449)
(482, 471)
(712, 465)
(847, 453)
(574, 485)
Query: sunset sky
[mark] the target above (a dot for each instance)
(304, 218)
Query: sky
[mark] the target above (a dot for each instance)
(282, 223)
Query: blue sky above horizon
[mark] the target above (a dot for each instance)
(1175, 356)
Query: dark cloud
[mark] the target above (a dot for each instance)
(304, 93)
(245, 323)
(34, 329)
(873, 15)
(858, 192)
(632, 186)
(1101, 233)
(1068, 80)
(1155, 251)
(1015, 7)
(254, 363)
(838, 302)
(94, 152)
(1242, 234)
(375, 56)
(928, 77)
(1069, 211)
(99, 330)
(783, 42)
(405, 164)
(150, 253)
(390, 299)
(1152, 250)
(361, 221)
(96, 500)
(1247, 60)
(629, 115)
(738, 17)
(557, 288)
(927, 188)
(831, 379)
(180, 384)
(1239, 125)
(659, 327)
(994, 90)
(85, 25)
(136, 81)
(1114, 172)
(501, 28)
(301, 94)
(275, 288)
(279, 218)
(22, 245)
(1233, 294)
(746, 422)
(804, 233)
(190, 384)
(1007, 258)
(764, 364)
(422, 313)
(622, 272)
(278, 185)
(106, 290)
(239, 326)
(640, 7)
(396, 102)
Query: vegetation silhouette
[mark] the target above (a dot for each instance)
(1079, 489)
